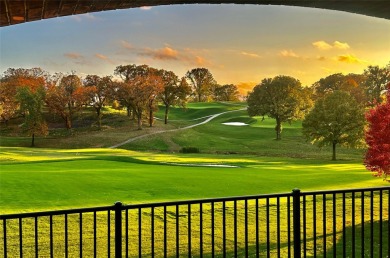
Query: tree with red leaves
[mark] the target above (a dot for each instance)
(378, 139)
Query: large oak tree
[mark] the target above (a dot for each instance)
(337, 119)
(282, 98)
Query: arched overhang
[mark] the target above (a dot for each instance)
(20, 11)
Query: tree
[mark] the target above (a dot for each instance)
(335, 119)
(376, 80)
(144, 92)
(67, 97)
(128, 73)
(11, 80)
(377, 158)
(201, 80)
(282, 98)
(175, 92)
(140, 89)
(227, 92)
(99, 90)
(9, 105)
(31, 104)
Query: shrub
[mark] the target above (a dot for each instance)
(189, 150)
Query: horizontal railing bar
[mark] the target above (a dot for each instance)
(56, 212)
(208, 200)
(184, 202)
(356, 190)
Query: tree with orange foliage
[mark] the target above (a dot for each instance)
(11, 80)
(66, 98)
(377, 157)
(145, 91)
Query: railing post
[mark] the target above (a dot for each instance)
(118, 229)
(296, 193)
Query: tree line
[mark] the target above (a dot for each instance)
(332, 109)
(139, 90)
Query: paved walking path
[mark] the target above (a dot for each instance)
(172, 130)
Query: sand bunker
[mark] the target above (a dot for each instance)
(235, 123)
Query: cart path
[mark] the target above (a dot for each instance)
(172, 130)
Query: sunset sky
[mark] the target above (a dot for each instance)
(239, 44)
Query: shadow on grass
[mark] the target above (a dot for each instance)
(374, 242)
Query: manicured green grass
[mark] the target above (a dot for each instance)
(88, 177)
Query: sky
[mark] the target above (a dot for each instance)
(239, 44)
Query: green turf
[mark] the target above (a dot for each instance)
(54, 179)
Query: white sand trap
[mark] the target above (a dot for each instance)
(235, 123)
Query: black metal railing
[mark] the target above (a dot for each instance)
(341, 223)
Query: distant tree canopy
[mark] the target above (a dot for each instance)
(335, 119)
(227, 92)
(376, 80)
(351, 83)
(282, 98)
(377, 158)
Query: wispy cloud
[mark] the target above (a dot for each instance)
(104, 58)
(341, 45)
(323, 45)
(77, 58)
(73, 55)
(145, 8)
(288, 53)
(85, 16)
(253, 55)
(126, 45)
(351, 59)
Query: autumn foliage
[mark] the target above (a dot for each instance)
(378, 139)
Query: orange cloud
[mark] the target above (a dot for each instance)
(288, 53)
(165, 53)
(351, 59)
(168, 53)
